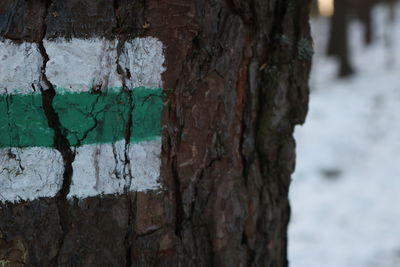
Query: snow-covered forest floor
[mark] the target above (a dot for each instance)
(345, 193)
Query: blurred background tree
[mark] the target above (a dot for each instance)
(342, 13)
(338, 41)
(346, 184)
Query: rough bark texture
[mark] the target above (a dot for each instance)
(236, 85)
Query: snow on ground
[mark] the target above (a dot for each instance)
(346, 189)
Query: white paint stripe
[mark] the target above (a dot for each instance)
(145, 163)
(144, 58)
(29, 173)
(76, 66)
(20, 67)
(79, 64)
(103, 169)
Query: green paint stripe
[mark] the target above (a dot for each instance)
(86, 118)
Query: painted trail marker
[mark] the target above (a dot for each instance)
(98, 108)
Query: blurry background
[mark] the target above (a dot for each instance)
(345, 193)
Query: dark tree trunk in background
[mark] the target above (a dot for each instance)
(235, 87)
(363, 10)
(366, 19)
(338, 39)
(388, 34)
(314, 8)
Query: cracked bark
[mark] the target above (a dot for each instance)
(235, 87)
(61, 144)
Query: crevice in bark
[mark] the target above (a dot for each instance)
(128, 237)
(8, 114)
(62, 145)
(242, 84)
(242, 9)
(127, 172)
(270, 77)
(179, 212)
(281, 9)
(61, 142)
(115, 156)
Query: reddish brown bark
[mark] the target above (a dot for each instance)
(236, 85)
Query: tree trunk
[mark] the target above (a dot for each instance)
(366, 18)
(83, 146)
(338, 39)
(363, 10)
(314, 8)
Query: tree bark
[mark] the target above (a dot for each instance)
(235, 86)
